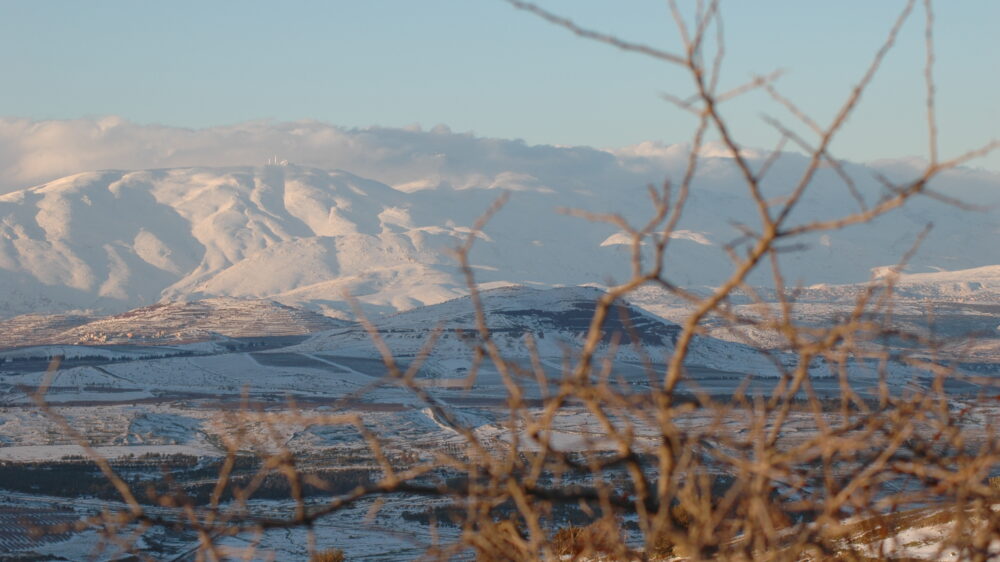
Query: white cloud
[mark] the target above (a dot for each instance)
(33, 152)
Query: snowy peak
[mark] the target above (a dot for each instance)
(115, 240)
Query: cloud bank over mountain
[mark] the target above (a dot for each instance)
(34, 152)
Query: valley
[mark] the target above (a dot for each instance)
(172, 321)
(150, 402)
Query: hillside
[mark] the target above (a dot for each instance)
(110, 241)
(556, 320)
(165, 324)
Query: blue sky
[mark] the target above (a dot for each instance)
(482, 66)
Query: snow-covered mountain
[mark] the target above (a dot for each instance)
(111, 241)
(166, 324)
(978, 284)
(557, 321)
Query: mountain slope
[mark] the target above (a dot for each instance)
(116, 240)
(170, 324)
(557, 321)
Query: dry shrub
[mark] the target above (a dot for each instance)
(331, 555)
(662, 547)
(599, 540)
(501, 541)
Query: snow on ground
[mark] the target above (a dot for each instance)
(134, 402)
(925, 543)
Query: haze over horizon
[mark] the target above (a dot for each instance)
(34, 152)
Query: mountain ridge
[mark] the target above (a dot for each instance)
(556, 320)
(114, 240)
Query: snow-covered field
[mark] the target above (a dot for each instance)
(165, 398)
